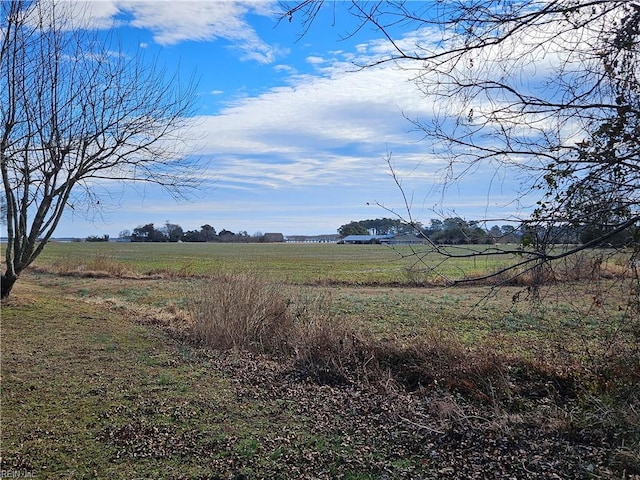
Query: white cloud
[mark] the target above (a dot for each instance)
(326, 112)
(174, 21)
(330, 130)
(78, 14)
(284, 68)
(315, 60)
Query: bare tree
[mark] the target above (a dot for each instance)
(546, 91)
(78, 116)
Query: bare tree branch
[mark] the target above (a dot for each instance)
(546, 90)
(76, 111)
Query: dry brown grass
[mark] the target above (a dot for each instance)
(99, 265)
(587, 266)
(240, 311)
(246, 312)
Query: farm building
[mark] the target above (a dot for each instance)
(273, 237)
(404, 239)
(401, 239)
(324, 238)
(365, 239)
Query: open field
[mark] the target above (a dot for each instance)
(102, 377)
(290, 263)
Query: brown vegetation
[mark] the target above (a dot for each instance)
(597, 400)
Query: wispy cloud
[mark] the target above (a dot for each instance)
(309, 153)
(175, 21)
(362, 109)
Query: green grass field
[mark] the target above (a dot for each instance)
(290, 263)
(375, 285)
(100, 378)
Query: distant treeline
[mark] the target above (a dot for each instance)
(448, 231)
(451, 231)
(171, 232)
(457, 231)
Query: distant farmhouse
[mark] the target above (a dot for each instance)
(391, 239)
(273, 238)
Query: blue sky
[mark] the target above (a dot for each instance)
(294, 136)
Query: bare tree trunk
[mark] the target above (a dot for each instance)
(6, 284)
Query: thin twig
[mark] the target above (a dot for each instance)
(421, 426)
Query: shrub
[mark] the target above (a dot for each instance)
(246, 312)
(243, 311)
(240, 311)
(329, 350)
